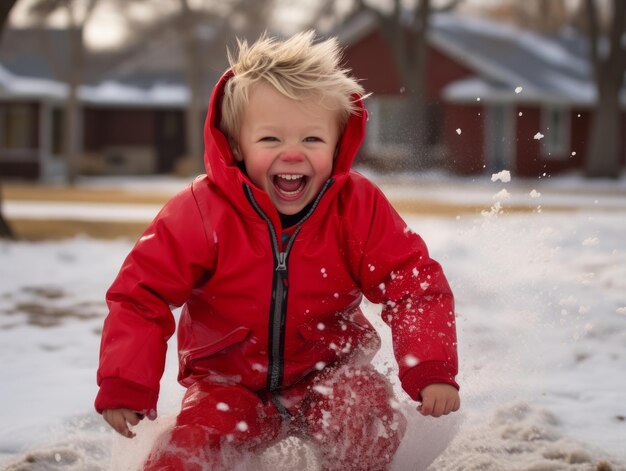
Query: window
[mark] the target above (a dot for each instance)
(500, 138)
(17, 122)
(390, 115)
(556, 123)
(434, 124)
(58, 126)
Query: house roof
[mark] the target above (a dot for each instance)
(15, 86)
(32, 62)
(548, 68)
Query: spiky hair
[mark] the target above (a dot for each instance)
(297, 67)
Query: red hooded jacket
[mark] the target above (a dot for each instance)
(262, 312)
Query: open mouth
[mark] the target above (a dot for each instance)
(290, 186)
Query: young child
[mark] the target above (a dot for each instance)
(270, 254)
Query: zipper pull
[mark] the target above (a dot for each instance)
(282, 263)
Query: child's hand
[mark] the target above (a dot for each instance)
(439, 399)
(120, 419)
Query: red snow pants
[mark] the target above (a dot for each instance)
(347, 412)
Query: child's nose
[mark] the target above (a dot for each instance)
(292, 155)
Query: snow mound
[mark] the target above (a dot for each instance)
(523, 438)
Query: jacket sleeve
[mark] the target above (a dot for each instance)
(159, 272)
(395, 270)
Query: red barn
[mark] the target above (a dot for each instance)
(498, 97)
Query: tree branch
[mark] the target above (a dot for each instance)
(323, 11)
(90, 9)
(451, 5)
(594, 34)
(397, 11)
(5, 10)
(617, 57)
(42, 9)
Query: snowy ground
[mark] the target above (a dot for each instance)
(541, 300)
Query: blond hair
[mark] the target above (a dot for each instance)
(296, 67)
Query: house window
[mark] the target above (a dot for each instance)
(171, 125)
(392, 115)
(500, 138)
(17, 127)
(389, 129)
(556, 122)
(433, 124)
(57, 129)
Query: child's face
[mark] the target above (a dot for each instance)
(287, 146)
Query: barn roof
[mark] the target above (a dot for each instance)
(548, 67)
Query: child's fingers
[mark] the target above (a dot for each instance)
(449, 406)
(119, 424)
(117, 420)
(439, 408)
(427, 406)
(132, 417)
(457, 404)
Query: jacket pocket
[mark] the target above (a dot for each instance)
(236, 336)
(341, 338)
(319, 332)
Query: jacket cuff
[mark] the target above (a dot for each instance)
(424, 374)
(117, 393)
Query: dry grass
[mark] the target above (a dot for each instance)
(26, 192)
(437, 208)
(37, 230)
(41, 229)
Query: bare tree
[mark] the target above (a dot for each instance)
(193, 74)
(5, 9)
(250, 19)
(78, 13)
(408, 38)
(203, 32)
(609, 65)
(547, 16)
(406, 33)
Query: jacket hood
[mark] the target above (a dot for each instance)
(223, 171)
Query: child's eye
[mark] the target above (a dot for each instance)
(313, 139)
(268, 139)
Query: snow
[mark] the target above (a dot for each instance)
(108, 92)
(551, 51)
(504, 176)
(222, 406)
(30, 86)
(80, 211)
(503, 194)
(541, 319)
(114, 92)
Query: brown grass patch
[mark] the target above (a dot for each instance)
(436, 208)
(25, 192)
(36, 230)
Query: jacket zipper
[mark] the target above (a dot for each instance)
(280, 289)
